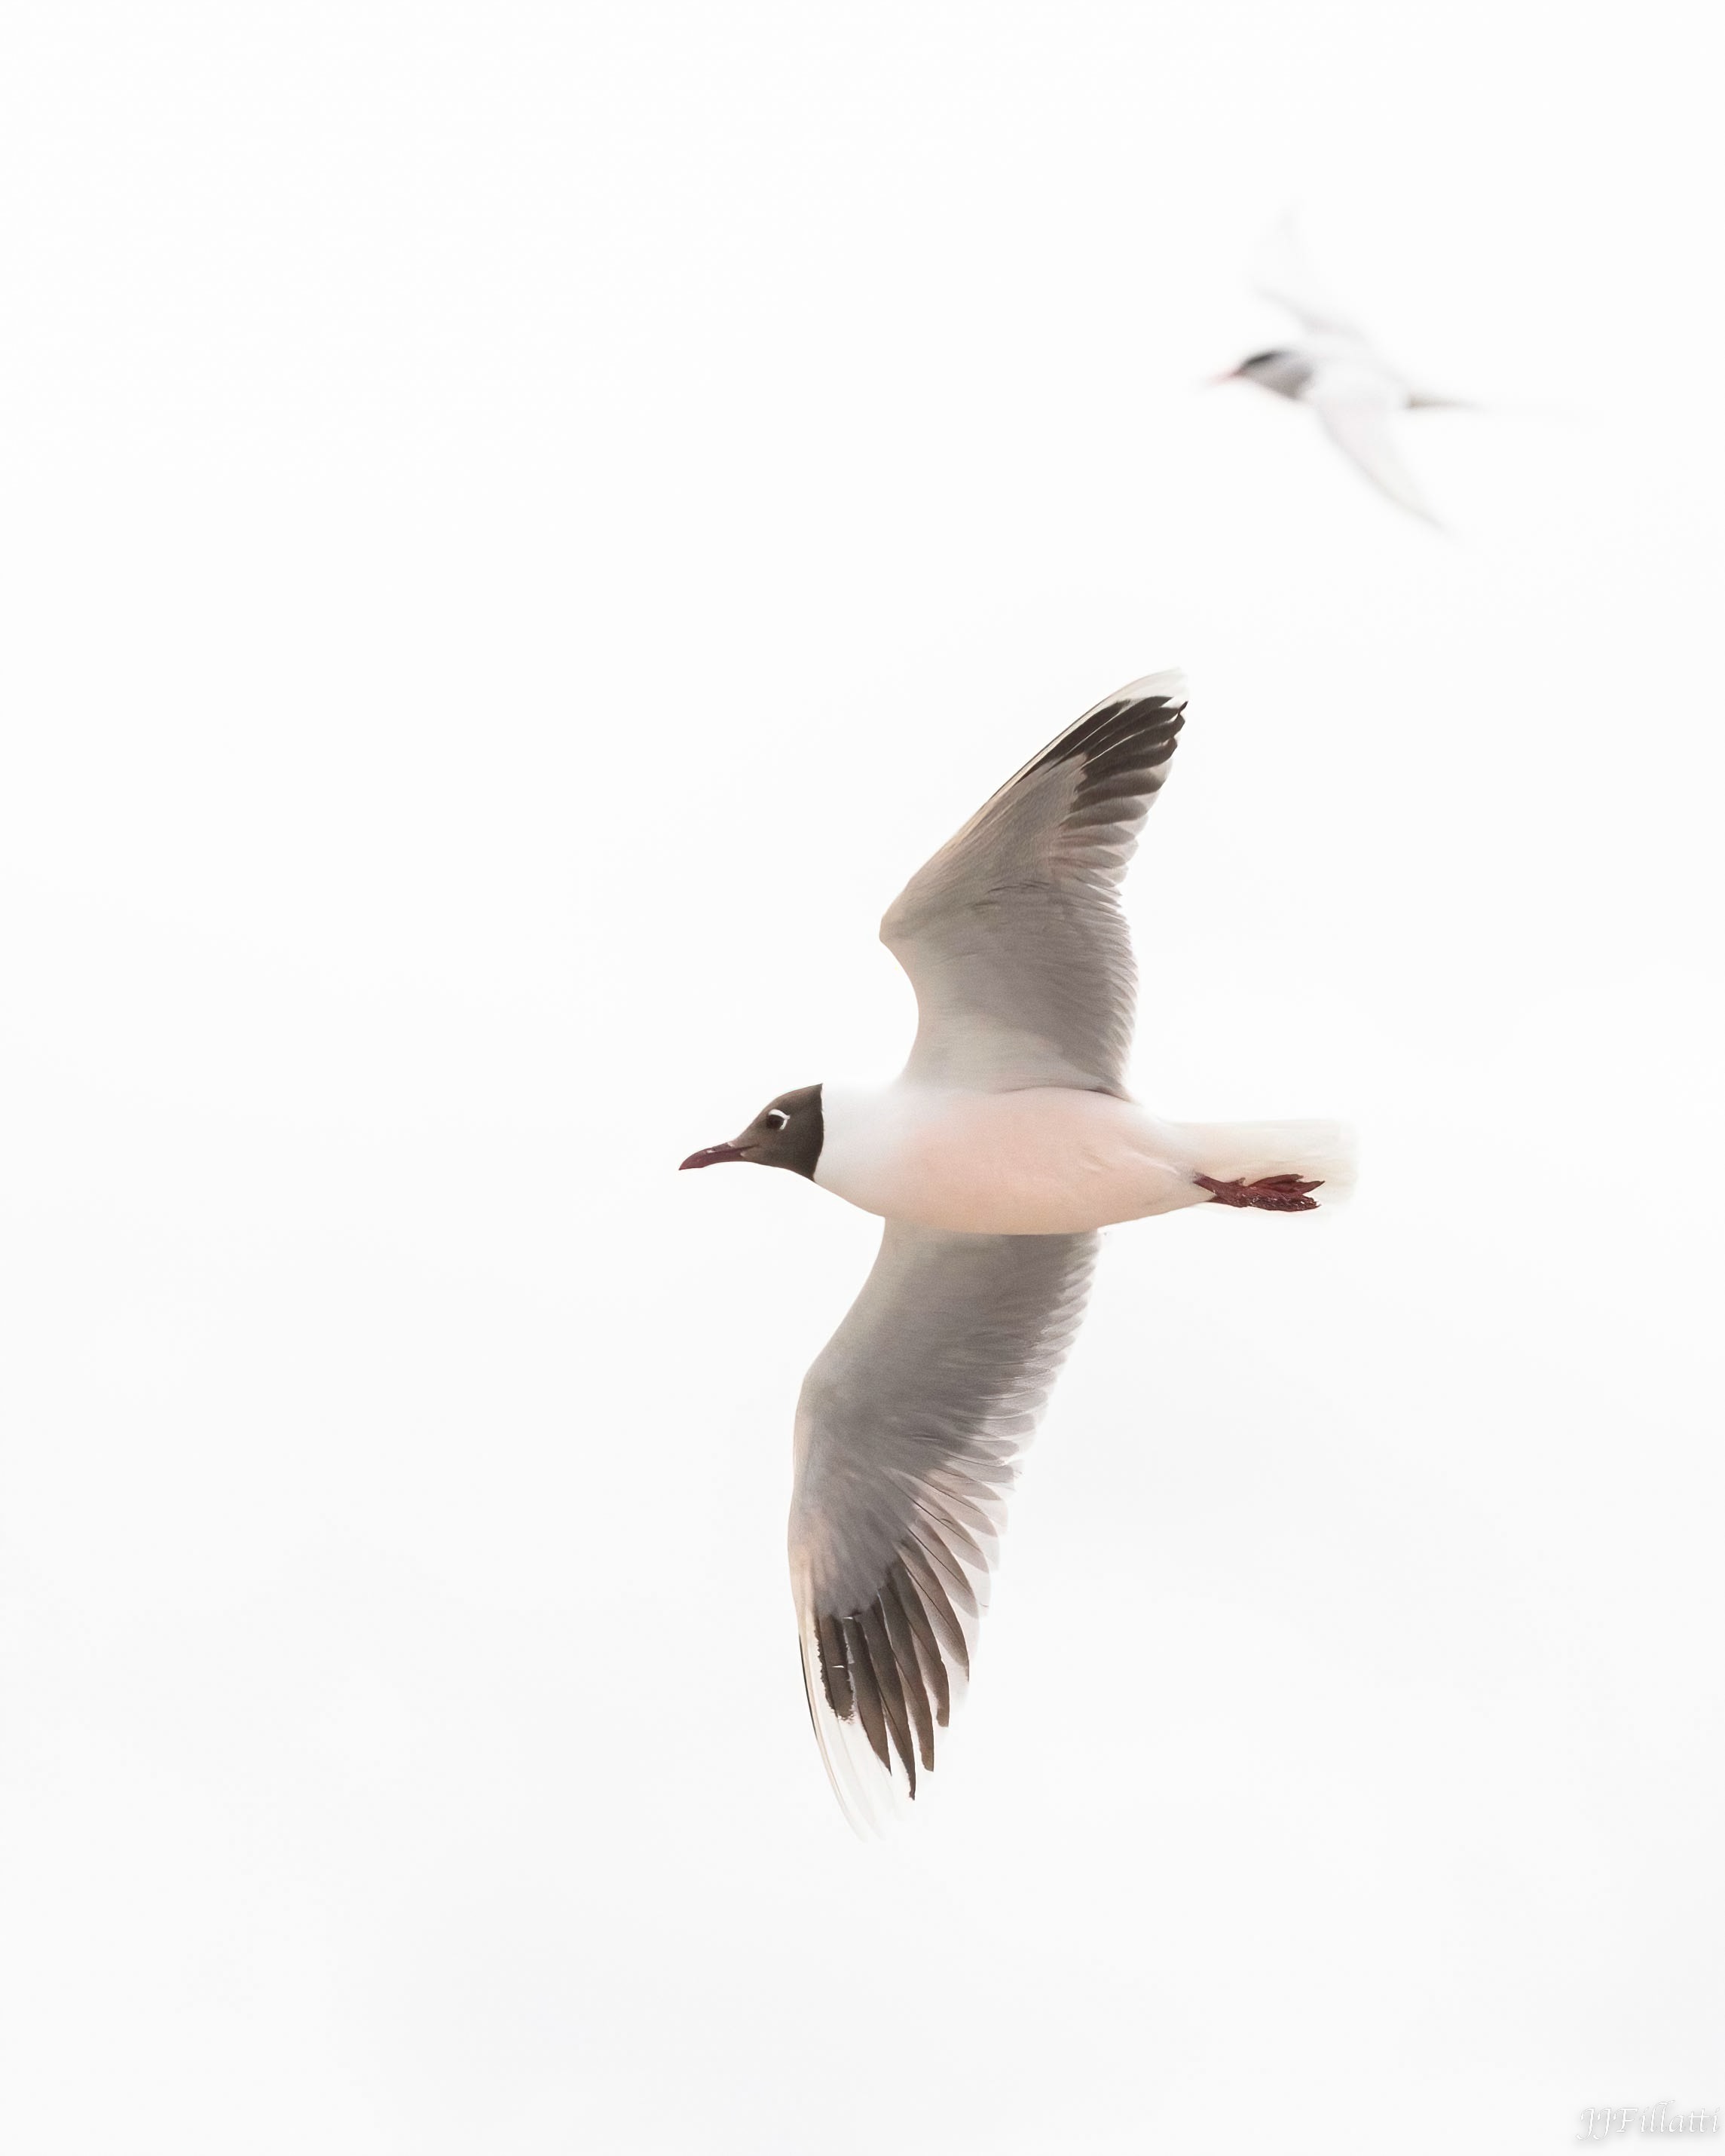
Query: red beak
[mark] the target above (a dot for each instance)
(710, 1156)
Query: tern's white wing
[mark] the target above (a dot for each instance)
(1284, 275)
(1357, 413)
(1013, 935)
(908, 1433)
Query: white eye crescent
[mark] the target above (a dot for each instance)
(778, 1118)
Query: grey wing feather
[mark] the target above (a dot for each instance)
(908, 1430)
(1013, 935)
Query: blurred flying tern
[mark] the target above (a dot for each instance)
(1336, 370)
(1008, 1139)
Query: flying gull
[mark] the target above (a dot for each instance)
(1007, 1141)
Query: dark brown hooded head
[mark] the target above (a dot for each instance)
(787, 1134)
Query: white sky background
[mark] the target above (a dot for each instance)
(522, 526)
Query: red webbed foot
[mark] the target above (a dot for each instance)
(1270, 1193)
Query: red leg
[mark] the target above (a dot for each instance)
(1270, 1193)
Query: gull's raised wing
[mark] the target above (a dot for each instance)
(1013, 935)
(909, 1429)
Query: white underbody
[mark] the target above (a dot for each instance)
(1046, 1160)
